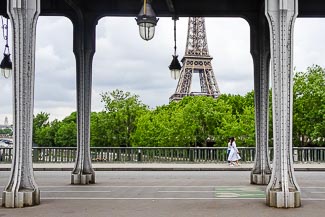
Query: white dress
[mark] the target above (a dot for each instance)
(233, 155)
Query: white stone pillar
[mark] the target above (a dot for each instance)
(84, 37)
(283, 190)
(22, 190)
(260, 50)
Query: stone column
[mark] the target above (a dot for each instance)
(22, 190)
(283, 190)
(260, 50)
(84, 36)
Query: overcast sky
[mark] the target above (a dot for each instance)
(124, 61)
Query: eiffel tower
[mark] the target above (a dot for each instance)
(196, 60)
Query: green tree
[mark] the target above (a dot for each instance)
(238, 102)
(66, 133)
(246, 133)
(201, 117)
(156, 128)
(98, 129)
(309, 107)
(6, 131)
(239, 125)
(41, 125)
(193, 121)
(249, 99)
(122, 109)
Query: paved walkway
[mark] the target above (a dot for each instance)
(164, 194)
(162, 167)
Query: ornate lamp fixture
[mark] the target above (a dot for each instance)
(175, 66)
(6, 64)
(147, 21)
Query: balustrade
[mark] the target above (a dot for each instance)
(158, 154)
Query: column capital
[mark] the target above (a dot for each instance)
(24, 4)
(278, 5)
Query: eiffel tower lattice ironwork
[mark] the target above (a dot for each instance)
(196, 60)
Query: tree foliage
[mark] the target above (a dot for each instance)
(309, 107)
(194, 121)
(6, 132)
(98, 129)
(55, 133)
(121, 109)
(66, 134)
(41, 127)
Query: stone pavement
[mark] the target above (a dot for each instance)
(163, 167)
(164, 194)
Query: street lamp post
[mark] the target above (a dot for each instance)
(175, 66)
(6, 64)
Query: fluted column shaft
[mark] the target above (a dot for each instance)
(283, 190)
(84, 28)
(22, 189)
(260, 50)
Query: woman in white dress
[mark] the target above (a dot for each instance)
(234, 153)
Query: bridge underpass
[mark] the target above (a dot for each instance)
(271, 40)
(165, 193)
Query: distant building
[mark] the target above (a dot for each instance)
(6, 125)
(6, 121)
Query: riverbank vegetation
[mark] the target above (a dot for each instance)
(194, 121)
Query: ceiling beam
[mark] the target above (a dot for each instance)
(171, 6)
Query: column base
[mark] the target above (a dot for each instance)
(260, 179)
(82, 179)
(277, 199)
(20, 199)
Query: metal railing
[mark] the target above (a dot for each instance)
(157, 154)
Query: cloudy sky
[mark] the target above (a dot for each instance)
(124, 61)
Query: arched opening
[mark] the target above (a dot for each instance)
(55, 68)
